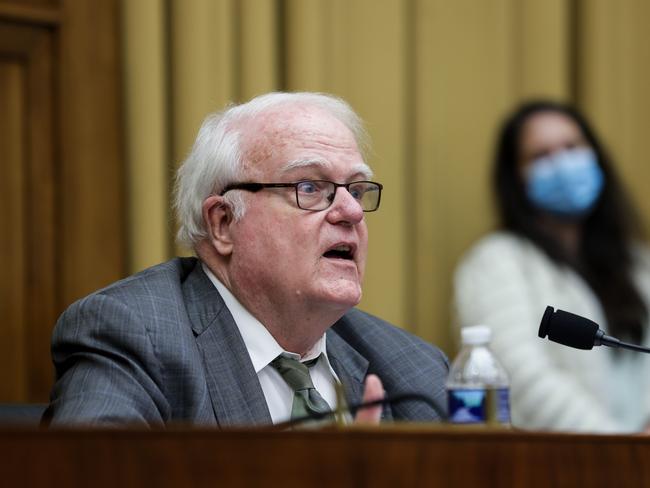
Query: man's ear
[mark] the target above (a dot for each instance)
(218, 218)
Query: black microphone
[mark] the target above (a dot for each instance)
(575, 331)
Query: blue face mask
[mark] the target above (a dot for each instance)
(567, 183)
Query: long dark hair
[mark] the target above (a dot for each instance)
(605, 257)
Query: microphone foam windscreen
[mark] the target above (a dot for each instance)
(569, 329)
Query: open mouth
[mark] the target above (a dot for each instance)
(341, 251)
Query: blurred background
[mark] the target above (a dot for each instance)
(100, 100)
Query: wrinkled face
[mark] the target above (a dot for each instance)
(286, 253)
(547, 133)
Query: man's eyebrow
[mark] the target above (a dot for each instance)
(360, 168)
(303, 163)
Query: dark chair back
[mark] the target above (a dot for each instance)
(23, 414)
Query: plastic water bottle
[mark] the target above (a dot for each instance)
(478, 389)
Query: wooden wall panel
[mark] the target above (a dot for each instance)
(612, 86)
(203, 66)
(12, 213)
(146, 127)
(306, 44)
(62, 220)
(459, 92)
(28, 232)
(43, 299)
(258, 47)
(541, 47)
(92, 194)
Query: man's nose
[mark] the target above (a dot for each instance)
(345, 208)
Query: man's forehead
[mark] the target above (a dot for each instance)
(283, 130)
(288, 119)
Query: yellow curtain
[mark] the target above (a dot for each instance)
(431, 78)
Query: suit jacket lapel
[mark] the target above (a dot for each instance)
(351, 368)
(349, 365)
(235, 391)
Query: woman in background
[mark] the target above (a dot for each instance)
(569, 238)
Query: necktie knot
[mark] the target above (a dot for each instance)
(306, 398)
(294, 373)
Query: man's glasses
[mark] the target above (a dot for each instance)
(316, 195)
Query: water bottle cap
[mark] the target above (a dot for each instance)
(476, 334)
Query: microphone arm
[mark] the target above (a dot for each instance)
(389, 400)
(604, 340)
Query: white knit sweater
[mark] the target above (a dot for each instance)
(506, 282)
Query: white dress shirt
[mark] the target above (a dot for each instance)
(263, 348)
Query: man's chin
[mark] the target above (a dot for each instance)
(345, 294)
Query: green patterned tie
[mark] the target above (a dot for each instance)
(306, 399)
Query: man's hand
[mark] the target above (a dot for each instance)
(373, 390)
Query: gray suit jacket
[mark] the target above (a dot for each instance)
(161, 347)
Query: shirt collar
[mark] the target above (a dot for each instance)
(261, 345)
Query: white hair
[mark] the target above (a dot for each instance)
(216, 158)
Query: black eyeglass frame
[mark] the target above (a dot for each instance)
(255, 187)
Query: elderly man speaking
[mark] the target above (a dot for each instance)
(260, 327)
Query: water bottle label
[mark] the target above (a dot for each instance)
(479, 405)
